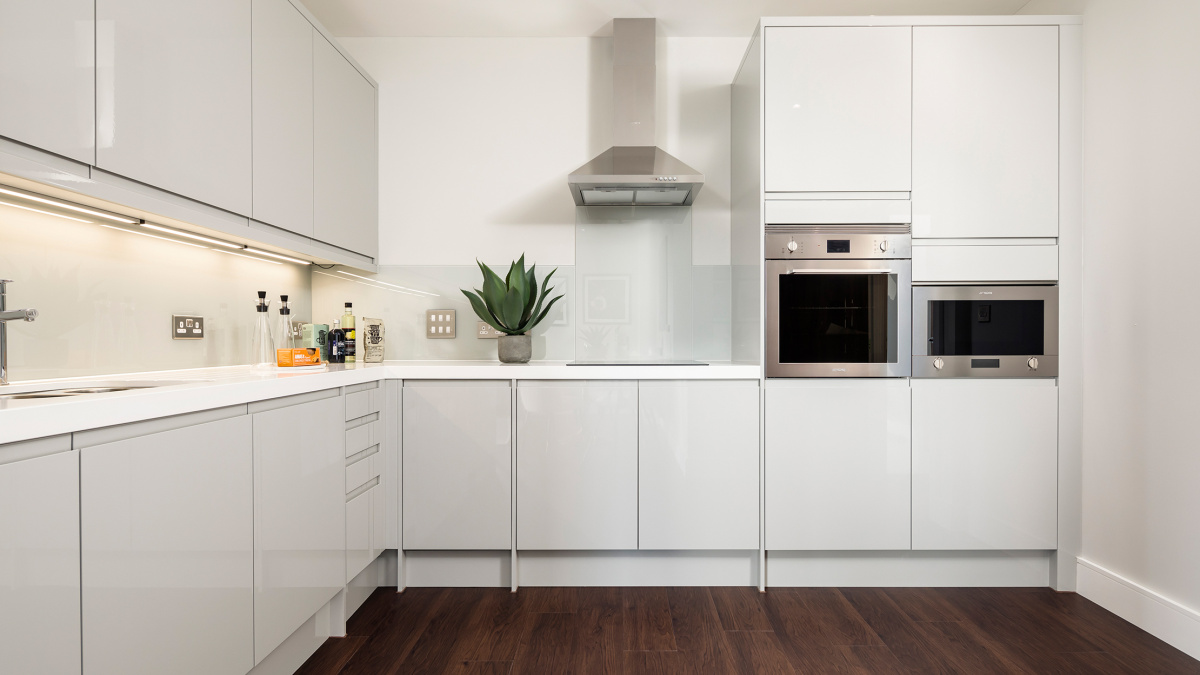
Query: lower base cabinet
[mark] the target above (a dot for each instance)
(837, 464)
(39, 559)
(985, 464)
(167, 539)
(365, 514)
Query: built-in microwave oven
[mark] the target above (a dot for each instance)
(985, 331)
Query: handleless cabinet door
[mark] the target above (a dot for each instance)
(299, 516)
(985, 464)
(173, 96)
(698, 465)
(39, 564)
(838, 109)
(838, 464)
(283, 116)
(167, 523)
(577, 465)
(985, 131)
(48, 75)
(457, 465)
(347, 172)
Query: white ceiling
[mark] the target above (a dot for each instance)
(574, 18)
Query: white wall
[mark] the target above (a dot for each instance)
(1141, 443)
(477, 136)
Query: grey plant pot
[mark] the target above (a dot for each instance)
(514, 348)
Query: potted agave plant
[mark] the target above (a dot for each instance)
(513, 306)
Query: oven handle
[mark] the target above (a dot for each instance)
(839, 271)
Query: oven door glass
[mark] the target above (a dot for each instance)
(838, 318)
(987, 327)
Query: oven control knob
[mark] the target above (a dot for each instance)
(792, 246)
(938, 363)
(883, 246)
(1033, 363)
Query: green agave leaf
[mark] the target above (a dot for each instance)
(532, 295)
(510, 310)
(493, 291)
(545, 311)
(527, 322)
(481, 309)
(518, 280)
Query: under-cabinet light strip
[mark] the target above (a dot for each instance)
(276, 255)
(189, 235)
(48, 213)
(242, 255)
(58, 203)
(152, 236)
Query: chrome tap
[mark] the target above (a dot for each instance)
(5, 317)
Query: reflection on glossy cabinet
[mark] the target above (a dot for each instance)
(299, 515)
(283, 116)
(698, 465)
(577, 465)
(346, 171)
(364, 530)
(985, 464)
(838, 464)
(173, 90)
(39, 563)
(457, 465)
(985, 131)
(167, 532)
(838, 108)
(48, 75)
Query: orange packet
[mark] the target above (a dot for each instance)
(292, 358)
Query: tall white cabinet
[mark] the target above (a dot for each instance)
(173, 96)
(985, 131)
(167, 539)
(39, 558)
(48, 75)
(985, 464)
(577, 465)
(838, 108)
(838, 464)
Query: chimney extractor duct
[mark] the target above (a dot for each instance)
(634, 172)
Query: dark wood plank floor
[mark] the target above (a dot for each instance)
(490, 631)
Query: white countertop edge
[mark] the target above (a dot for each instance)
(208, 388)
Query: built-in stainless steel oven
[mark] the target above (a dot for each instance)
(838, 300)
(985, 331)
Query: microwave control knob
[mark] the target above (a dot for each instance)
(792, 246)
(1033, 363)
(883, 246)
(938, 363)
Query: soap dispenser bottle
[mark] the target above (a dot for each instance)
(263, 355)
(285, 332)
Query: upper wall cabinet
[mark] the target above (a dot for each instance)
(283, 117)
(985, 131)
(173, 96)
(838, 109)
(347, 190)
(47, 75)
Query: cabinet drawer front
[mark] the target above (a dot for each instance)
(358, 473)
(362, 403)
(985, 263)
(362, 437)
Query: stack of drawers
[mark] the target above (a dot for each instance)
(365, 519)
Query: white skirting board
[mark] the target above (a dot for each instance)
(908, 568)
(581, 568)
(1162, 617)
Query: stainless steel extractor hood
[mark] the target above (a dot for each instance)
(634, 172)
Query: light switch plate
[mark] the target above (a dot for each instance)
(485, 332)
(439, 324)
(187, 327)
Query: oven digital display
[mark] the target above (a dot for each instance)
(837, 245)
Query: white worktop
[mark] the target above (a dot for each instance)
(207, 388)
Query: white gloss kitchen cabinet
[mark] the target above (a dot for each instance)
(838, 108)
(347, 171)
(985, 131)
(173, 96)
(366, 507)
(457, 465)
(282, 75)
(698, 465)
(299, 511)
(39, 557)
(577, 465)
(985, 464)
(167, 546)
(837, 464)
(48, 75)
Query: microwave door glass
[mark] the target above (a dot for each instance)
(837, 318)
(987, 327)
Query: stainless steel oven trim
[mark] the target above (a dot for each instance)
(903, 271)
(960, 366)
